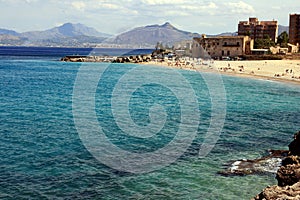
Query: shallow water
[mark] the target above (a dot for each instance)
(42, 156)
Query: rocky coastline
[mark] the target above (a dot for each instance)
(288, 176)
(284, 163)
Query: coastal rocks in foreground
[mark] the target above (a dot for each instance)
(277, 192)
(288, 176)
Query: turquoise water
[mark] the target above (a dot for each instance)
(43, 157)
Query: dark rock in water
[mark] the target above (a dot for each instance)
(267, 164)
(294, 146)
(277, 192)
(288, 175)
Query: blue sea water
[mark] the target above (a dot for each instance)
(42, 155)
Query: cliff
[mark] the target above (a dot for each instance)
(288, 176)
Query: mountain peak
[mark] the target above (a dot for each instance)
(71, 30)
(151, 34)
(167, 24)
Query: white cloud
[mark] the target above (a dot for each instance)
(110, 6)
(200, 7)
(79, 5)
(240, 8)
(163, 2)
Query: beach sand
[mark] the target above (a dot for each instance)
(279, 70)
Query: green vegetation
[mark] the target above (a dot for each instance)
(283, 39)
(264, 43)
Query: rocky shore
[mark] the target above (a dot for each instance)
(110, 59)
(288, 176)
(284, 163)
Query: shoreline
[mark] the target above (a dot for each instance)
(285, 71)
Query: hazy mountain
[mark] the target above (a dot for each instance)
(12, 40)
(281, 29)
(8, 32)
(76, 35)
(64, 31)
(150, 35)
(224, 34)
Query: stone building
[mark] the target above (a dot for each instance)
(258, 29)
(294, 30)
(223, 46)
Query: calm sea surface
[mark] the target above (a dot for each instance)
(43, 157)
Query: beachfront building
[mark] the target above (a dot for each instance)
(222, 46)
(258, 29)
(183, 48)
(294, 29)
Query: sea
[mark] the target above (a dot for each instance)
(129, 131)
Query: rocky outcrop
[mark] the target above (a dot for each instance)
(288, 176)
(294, 146)
(277, 192)
(267, 164)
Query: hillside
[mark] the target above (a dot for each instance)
(150, 35)
(67, 35)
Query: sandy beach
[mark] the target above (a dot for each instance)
(279, 70)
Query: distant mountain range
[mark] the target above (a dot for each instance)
(65, 35)
(79, 35)
(281, 29)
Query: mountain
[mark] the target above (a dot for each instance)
(224, 34)
(68, 34)
(150, 35)
(8, 32)
(281, 29)
(64, 31)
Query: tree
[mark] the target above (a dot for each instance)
(283, 39)
(264, 43)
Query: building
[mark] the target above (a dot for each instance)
(223, 46)
(258, 29)
(294, 30)
(183, 48)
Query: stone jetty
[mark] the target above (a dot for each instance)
(110, 59)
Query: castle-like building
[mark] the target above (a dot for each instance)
(222, 46)
(258, 29)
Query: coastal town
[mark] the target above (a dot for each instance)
(255, 51)
(150, 99)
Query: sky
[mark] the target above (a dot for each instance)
(117, 16)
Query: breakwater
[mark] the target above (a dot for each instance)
(111, 59)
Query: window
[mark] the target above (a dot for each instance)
(238, 44)
(223, 52)
(228, 53)
(225, 43)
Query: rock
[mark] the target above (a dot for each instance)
(289, 174)
(277, 192)
(291, 160)
(294, 146)
(267, 164)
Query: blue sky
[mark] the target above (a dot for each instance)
(116, 16)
